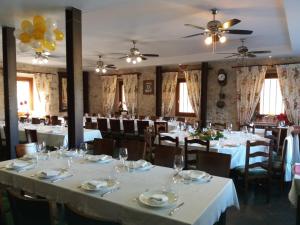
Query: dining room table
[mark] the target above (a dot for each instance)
(51, 135)
(131, 200)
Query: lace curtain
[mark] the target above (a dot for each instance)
(193, 82)
(109, 85)
(249, 84)
(168, 92)
(42, 84)
(130, 83)
(289, 79)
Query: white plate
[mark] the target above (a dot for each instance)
(70, 153)
(99, 158)
(144, 198)
(136, 165)
(192, 174)
(110, 184)
(18, 165)
(59, 173)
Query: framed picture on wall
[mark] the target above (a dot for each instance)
(62, 89)
(148, 87)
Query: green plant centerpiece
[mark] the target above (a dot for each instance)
(207, 135)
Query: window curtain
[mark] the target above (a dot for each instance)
(168, 92)
(289, 79)
(109, 86)
(43, 97)
(131, 83)
(249, 84)
(193, 82)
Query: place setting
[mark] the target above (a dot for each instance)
(53, 175)
(20, 165)
(101, 186)
(102, 159)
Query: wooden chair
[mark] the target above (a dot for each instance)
(91, 125)
(154, 118)
(168, 138)
(164, 155)
(23, 149)
(35, 120)
(214, 163)
(180, 119)
(135, 149)
(142, 125)
(29, 211)
(104, 146)
(102, 124)
(166, 118)
(149, 137)
(190, 152)
(88, 119)
(160, 126)
(275, 135)
(141, 117)
(54, 120)
(23, 119)
(218, 126)
(250, 128)
(128, 126)
(259, 170)
(115, 126)
(74, 217)
(31, 135)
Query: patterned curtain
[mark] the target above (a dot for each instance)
(109, 86)
(193, 80)
(42, 84)
(168, 92)
(289, 79)
(249, 84)
(131, 83)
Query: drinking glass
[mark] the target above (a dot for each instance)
(83, 149)
(43, 146)
(178, 163)
(229, 127)
(195, 125)
(208, 125)
(123, 155)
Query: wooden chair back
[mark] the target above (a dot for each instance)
(91, 125)
(27, 211)
(166, 118)
(274, 134)
(54, 120)
(218, 126)
(74, 217)
(35, 120)
(190, 152)
(104, 146)
(250, 128)
(115, 125)
(142, 125)
(31, 135)
(214, 163)
(23, 149)
(102, 124)
(168, 138)
(135, 149)
(88, 119)
(180, 119)
(128, 126)
(160, 126)
(23, 119)
(165, 155)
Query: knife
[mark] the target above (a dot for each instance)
(175, 209)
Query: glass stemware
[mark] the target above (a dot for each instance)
(178, 163)
(123, 155)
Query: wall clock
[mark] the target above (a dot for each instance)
(222, 77)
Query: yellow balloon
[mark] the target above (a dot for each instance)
(25, 37)
(41, 27)
(49, 45)
(38, 20)
(38, 35)
(26, 25)
(59, 35)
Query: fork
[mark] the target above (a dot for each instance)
(110, 191)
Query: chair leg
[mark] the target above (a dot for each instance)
(269, 190)
(246, 191)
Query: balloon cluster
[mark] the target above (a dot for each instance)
(40, 35)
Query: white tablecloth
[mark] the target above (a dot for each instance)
(53, 135)
(203, 203)
(234, 144)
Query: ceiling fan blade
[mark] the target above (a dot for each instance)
(260, 52)
(251, 55)
(124, 57)
(110, 67)
(233, 55)
(226, 53)
(150, 55)
(230, 23)
(143, 58)
(193, 35)
(194, 26)
(238, 31)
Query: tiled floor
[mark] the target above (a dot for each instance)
(257, 211)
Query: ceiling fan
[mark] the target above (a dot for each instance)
(215, 30)
(243, 52)
(39, 57)
(135, 56)
(101, 67)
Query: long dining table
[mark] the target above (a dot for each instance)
(203, 202)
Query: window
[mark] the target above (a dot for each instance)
(122, 96)
(183, 105)
(270, 98)
(25, 94)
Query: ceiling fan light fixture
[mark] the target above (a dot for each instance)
(223, 39)
(138, 59)
(208, 40)
(104, 70)
(133, 61)
(128, 59)
(34, 61)
(97, 69)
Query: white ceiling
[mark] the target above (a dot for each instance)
(157, 25)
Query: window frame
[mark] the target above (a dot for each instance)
(177, 113)
(30, 81)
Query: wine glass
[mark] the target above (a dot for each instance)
(208, 125)
(123, 155)
(178, 163)
(229, 127)
(83, 149)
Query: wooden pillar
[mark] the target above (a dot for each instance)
(10, 90)
(86, 106)
(75, 80)
(158, 90)
(203, 103)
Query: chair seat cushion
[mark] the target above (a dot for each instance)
(252, 172)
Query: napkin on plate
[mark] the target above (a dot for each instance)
(96, 184)
(18, 164)
(195, 175)
(50, 173)
(103, 157)
(158, 198)
(141, 163)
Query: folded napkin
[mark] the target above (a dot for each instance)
(18, 164)
(297, 168)
(96, 184)
(103, 157)
(136, 164)
(50, 173)
(141, 163)
(196, 175)
(158, 198)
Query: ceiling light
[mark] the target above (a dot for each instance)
(104, 70)
(138, 59)
(40, 58)
(208, 40)
(128, 59)
(134, 61)
(97, 70)
(223, 39)
(270, 56)
(34, 61)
